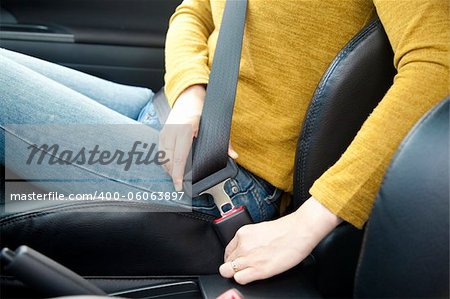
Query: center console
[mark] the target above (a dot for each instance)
(296, 283)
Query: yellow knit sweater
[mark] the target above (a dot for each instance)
(288, 44)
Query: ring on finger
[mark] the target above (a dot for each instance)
(235, 266)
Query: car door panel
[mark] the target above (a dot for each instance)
(119, 40)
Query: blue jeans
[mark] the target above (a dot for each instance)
(33, 91)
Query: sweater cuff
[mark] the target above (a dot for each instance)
(177, 83)
(340, 207)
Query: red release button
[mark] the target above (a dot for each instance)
(229, 213)
(231, 294)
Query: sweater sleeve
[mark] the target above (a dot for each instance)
(419, 35)
(186, 50)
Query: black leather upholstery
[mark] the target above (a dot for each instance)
(335, 261)
(349, 90)
(129, 238)
(406, 245)
(12, 288)
(405, 253)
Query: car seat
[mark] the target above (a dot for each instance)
(128, 246)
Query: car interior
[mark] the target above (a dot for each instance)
(401, 253)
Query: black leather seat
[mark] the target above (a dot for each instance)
(406, 243)
(129, 242)
(349, 90)
(405, 252)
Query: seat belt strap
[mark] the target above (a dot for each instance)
(211, 166)
(210, 149)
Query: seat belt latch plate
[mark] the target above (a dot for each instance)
(221, 198)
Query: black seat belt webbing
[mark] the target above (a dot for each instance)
(210, 153)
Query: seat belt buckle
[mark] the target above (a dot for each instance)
(232, 218)
(230, 222)
(230, 171)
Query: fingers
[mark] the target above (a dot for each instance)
(179, 130)
(167, 145)
(231, 268)
(176, 142)
(242, 270)
(241, 244)
(247, 275)
(231, 248)
(180, 155)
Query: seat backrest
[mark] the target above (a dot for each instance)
(405, 250)
(349, 90)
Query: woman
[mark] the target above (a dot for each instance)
(287, 47)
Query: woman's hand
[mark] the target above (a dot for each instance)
(179, 130)
(262, 250)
